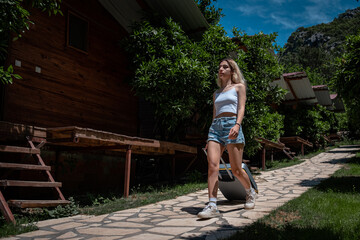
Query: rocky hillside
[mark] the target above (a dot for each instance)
(315, 46)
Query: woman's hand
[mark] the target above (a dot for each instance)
(234, 132)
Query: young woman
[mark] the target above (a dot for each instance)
(226, 132)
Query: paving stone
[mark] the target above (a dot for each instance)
(101, 231)
(187, 204)
(137, 219)
(104, 238)
(171, 230)
(52, 222)
(209, 228)
(189, 222)
(36, 234)
(238, 222)
(94, 219)
(184, 198)
(127, 225)
(116, 218)
(254, 215)
(150, 210)
(67, 235)
(149, 236)
(66, 226)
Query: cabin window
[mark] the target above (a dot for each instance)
(77, 32)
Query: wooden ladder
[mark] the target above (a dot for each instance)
(40, 166)
(288, 153)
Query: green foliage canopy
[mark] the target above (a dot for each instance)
(15, 19)
(178, 76)
(347, 79)
(260, 67)
(211, 14)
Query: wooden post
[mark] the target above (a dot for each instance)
(127, 171)
(263, 158)
(4, 207)
(302, 149)
(173, 168)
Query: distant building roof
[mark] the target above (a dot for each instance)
(298, 86)
(300, 90)
(338, 103)
(185, 12)
(323, 95)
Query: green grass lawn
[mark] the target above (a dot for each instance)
(331, 210)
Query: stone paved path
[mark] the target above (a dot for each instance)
(176, 219)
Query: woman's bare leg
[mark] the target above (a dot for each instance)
(235, 156)
(214, 151)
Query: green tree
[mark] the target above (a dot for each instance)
(347, 79)
(309, 122)
(211, 14)
(14, 21)
(178, 76)
(172, 73)
(260, 66)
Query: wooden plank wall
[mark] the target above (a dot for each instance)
(73, 88)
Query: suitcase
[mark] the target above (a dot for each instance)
(229, 185)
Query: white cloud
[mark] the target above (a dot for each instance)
(283, 21)
(250, 10)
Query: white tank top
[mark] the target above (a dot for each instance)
(226, 102)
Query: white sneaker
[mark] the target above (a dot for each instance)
(209, 212)
(250, 199)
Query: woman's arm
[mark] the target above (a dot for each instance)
(214, 112)
(241, 90)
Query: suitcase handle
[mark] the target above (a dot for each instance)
(223, 162)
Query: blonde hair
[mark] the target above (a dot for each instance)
(236, 74)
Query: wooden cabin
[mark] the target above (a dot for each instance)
(75, 73)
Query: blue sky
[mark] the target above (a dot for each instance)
(281, 16)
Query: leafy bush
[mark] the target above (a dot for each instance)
(178, 76)
(309, 122)
(63, 211)
(347, 79)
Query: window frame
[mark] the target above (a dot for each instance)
(68, 32)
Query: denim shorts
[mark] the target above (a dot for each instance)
(220, 128)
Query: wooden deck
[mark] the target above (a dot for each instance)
(94, 139)
(81, 139)
(270, 145)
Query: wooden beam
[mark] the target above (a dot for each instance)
(37, 203)
(14, 131)
(4, 207)
(291, 88)
(127, 172)
(263, 158)
(173, 168)
(90, 137)
(18, 166)
(14, 149)
(17, 183)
